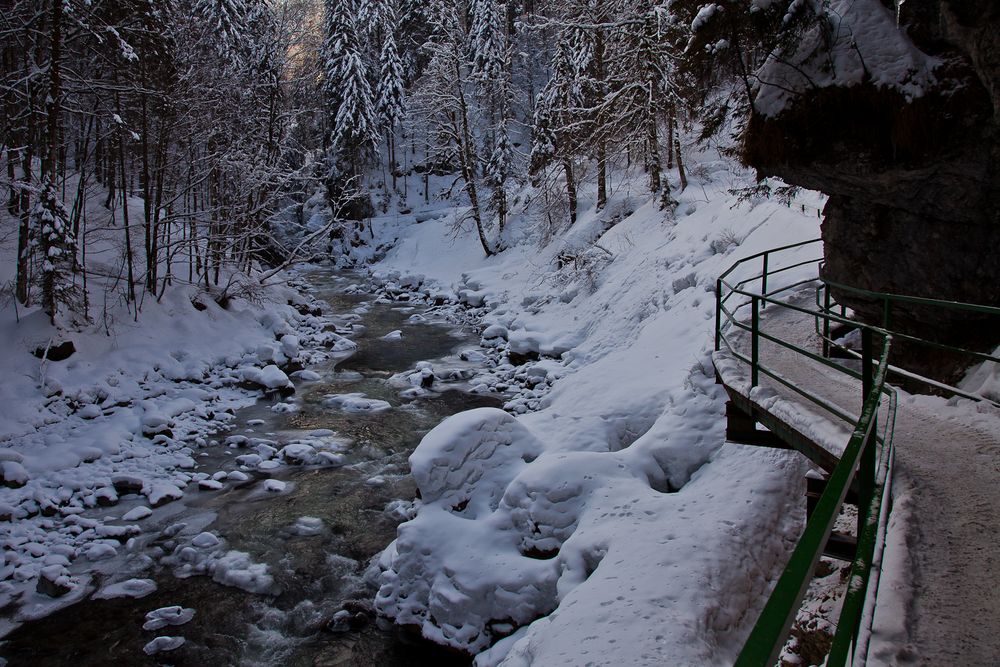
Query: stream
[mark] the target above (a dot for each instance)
(316, 537)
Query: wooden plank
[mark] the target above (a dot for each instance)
(787, 433)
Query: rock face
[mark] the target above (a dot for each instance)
(911, 169)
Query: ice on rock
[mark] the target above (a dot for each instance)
(290, 346)
(236, 569)
(210, 484)
(237, 476)
(495, 331)
(205, 540)
(307, 375)
(321, 433)
(100, 551)
(161, 644)
(90, 411)
(356, 402)
(299, 453)
(265, 451)
(137, 513)
(284, 407)
(307, 526)
(274, 485)
(270, 377)
(160, 493)
(330, 458)
(131, 588)
(249, 460)
(267, 354)
(13, 474)
(165, 616)
(393, 335)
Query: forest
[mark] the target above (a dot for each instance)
(226, 117)
(498, 332)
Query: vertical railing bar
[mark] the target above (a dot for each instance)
(718, 315)
(866, 468)
(763, 279)
(826, 323)
(755, 343)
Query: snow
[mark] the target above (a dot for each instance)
(137, 514)
(205, 541)
(131, 588)
(270, 377)
(356, 402)
(608, 522)
(122, 420)
(865, 45)
(165, 616)
(274, 485)
(163, 644)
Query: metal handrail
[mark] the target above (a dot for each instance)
(858, 460)
(825, 301)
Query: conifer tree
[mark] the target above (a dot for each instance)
(389, 103)
(354, 128)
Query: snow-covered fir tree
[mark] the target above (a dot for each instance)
(354, 124)
(224, 22)
(57, 243)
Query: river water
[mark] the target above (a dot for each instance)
(318, 572)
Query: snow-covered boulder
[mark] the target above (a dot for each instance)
(356, 402)
(455, 589)
(270, 378)
(469, 459)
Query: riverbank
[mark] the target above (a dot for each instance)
(611, 524)
(277, 501)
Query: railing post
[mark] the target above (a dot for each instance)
(763, 281)
(718, 315)
(886, 314)
(826, 321)
(755, 342)
(866, 466)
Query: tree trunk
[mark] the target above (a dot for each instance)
(680, 162)
(602, 147)
(653, 141)
(670, 137)
(570, 188)
(467, 157)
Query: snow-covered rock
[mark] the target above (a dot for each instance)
(131, 588)
(163, 644)
(137, 513)
(356, 402)
(165, 616)
(269, 377)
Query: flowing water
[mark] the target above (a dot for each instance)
(318, 572)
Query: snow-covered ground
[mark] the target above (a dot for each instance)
(612, 524)
(130, 411)
(605, 522)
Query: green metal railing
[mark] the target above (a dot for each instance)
(889, 304)
(866, 460)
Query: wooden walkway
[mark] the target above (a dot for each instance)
(939, 600)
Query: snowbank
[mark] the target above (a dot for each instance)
(608, 524)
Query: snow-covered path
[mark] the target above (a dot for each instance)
(937, 602)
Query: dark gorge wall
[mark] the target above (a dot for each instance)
(914, 189)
